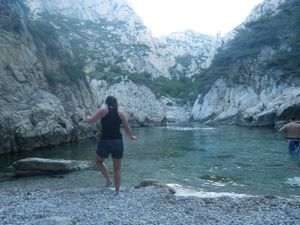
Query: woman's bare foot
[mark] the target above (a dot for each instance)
(108, 183)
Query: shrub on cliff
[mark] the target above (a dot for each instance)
(241, 53)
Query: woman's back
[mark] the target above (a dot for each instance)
(111, 124)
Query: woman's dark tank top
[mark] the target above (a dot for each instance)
(111, 125)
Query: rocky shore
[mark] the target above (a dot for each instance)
(148, 205)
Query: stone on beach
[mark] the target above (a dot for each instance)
(155, 183)
(55, 220)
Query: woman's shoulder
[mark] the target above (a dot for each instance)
(121, 114)
(102, 112)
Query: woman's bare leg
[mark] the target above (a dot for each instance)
(103, 169)
(117, 173)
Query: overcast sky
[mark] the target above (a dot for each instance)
(163, 17)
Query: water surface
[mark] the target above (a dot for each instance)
(212, 159)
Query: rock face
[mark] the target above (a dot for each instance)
(49, 47)
(110, 32)
(32, 113)
(138, 102)
(36, 110)
(185, 54)
(266, 8)
(244, 105)
(258, 95)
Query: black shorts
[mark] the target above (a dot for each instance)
(113, 147)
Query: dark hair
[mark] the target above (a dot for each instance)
(111, 101)
(293, 118)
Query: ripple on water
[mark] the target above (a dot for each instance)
(222, 157)
(242, 164)
(190, 128)
(200, 150)
(276, 165)
(293, 182)
(216, 178)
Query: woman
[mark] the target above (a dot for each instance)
(111, 139)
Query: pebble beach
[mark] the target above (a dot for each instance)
(148, 205)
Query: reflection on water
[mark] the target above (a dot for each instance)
(221, 159)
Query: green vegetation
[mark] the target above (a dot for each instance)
(43, 32)
(13, 23)
(185, 60)
(161, 86)
(231, 62)
(46, 37)
(71, 70)
(284, 27)
(10, 18)
(174, 88)
(74, 71)
(289, 25)
(70, 73)
(54, 78)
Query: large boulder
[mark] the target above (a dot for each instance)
(44, 166)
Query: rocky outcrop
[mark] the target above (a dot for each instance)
(42, 104)
(32, 113)
(34, 116)
(110, 32)
(184, 54)
(136, 101)
(36, 112)
(254, 90)
(246, 105)
(266, 8)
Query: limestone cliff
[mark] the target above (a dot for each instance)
(42, 102)
(109, 32)
(261, 105)
(266, 8)
(258, 82)
(60, 58)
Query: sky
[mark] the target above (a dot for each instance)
(163, 17)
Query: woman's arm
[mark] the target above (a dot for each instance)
(282, 130)
(99, 115)
(126, 126)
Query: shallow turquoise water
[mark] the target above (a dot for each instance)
(217, 159)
